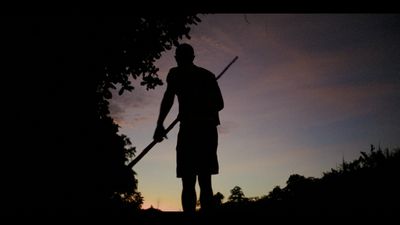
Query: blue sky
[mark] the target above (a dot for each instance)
(306, 91)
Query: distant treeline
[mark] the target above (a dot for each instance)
(367, 186)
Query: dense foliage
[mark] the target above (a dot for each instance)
(62, 151)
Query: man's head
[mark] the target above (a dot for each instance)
(184, 54)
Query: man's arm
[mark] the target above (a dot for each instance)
(166, 105)
(219, 98)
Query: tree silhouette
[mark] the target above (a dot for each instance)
(237, 195)
(365, 187)
(61, 147)
(218, 199)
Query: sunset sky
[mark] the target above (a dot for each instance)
(306, 92)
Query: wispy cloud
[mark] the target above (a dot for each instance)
(131, 121)
(134, 107)
(319, 86)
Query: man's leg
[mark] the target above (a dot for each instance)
(206, 193)
(189, 194)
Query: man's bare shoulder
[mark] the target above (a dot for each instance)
(173, 69)
(172, 73)
(205, 72)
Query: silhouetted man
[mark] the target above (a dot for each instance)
(200, 100)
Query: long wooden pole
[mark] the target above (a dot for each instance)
(151, 145)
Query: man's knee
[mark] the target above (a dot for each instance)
(188, 182)
(205, 182)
